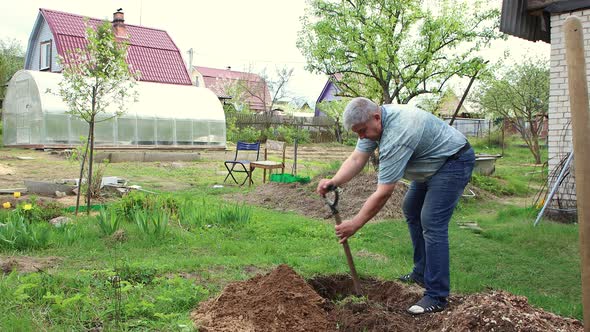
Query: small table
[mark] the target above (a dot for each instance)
(265, 165)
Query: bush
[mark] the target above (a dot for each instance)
(137, 200)
(246, 134)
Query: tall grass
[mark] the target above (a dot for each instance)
(19, 234)
(152, 223)
(197, 214)
(109, 220)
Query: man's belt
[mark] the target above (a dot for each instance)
(458, 154)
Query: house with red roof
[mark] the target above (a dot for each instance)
(169, 113)
(252, 90)
(151, 51)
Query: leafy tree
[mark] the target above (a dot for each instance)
(251, 87)
(11, 60)
(520, 95)
(395, 50)
(93, 79)
(335, 110)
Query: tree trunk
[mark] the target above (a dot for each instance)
(82, 173)
(536, 149)
(338, 132)
(90, 162)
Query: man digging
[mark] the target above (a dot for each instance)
(437, 159)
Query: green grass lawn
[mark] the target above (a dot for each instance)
(163, 276)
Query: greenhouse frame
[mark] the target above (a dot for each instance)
(165, 116)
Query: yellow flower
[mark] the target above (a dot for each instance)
(16, 194)
(6, 205)
(27, 207)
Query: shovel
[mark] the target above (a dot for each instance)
(334, 208)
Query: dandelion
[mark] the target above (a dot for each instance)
(6, 205)
(27, 207)
(16, 194)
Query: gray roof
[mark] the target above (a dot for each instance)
(531, 19)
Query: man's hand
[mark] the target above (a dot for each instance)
(347, 229)
(323, 185)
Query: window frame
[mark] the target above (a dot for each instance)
(47, 45)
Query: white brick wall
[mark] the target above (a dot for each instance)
(560, 131)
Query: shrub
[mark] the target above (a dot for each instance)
(136, 200)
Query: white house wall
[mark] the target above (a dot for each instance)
(44, 33)
(560, 130)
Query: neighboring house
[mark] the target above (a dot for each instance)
(169, 113)
(329, 92)
(151, 51)
(250, 88)
(448, 104)
(543, 20)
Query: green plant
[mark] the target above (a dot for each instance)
(137, 200)
(153, 223)
(246, 134)
(234, 215)
(68, 233)
(19, 234)
(136, 274)
(108, 220)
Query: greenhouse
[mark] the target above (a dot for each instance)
(165, 116)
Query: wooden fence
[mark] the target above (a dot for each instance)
(320, 128)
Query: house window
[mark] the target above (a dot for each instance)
(45, 57)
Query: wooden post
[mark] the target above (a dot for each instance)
(578, 93)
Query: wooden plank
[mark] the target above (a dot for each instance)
(578, 94)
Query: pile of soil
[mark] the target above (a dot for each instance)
(301, 198)
(282, 301)
(278, 301)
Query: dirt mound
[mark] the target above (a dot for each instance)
(301, 198)
(501, 311)
(278, 301)
(25, 264)
(282, 301)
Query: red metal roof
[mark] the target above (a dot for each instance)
(217, 80)
(151, 51)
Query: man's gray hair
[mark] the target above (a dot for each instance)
(358, 110)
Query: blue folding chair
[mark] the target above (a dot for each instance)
(243, 165)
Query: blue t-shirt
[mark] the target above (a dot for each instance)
(414, 144)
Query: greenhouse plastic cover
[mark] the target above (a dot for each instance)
(159, 100)
(163, 115)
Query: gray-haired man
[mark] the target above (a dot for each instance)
(437, 159)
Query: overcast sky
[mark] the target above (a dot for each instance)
(254, 34)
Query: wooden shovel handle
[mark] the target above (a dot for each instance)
(355, 279)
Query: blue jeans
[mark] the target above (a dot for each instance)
(428, 207)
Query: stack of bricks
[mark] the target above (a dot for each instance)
(560, 130)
